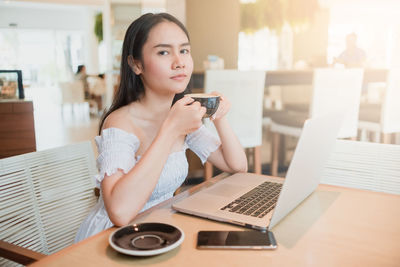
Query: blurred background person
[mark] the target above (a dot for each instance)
(82, 76)
(352, 56)
(97, 88)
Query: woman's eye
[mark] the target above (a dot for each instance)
(185, 51)
(163, 53)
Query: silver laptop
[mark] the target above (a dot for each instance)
(260, 202)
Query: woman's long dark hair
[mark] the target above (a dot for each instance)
(131, 87)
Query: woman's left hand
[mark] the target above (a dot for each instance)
(223, 108)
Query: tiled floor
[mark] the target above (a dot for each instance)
(56, 125)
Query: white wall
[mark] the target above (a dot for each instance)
(214, 30)
(177, 8)
(43, 17)
(55, 17)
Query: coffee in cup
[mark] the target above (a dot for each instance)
(209, 101)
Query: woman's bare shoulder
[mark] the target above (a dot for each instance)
(120, 119)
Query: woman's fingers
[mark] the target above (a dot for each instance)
(202, 111)
(186, 100)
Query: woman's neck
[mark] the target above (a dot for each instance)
(155, 107)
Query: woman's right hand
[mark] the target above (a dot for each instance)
(185, 116)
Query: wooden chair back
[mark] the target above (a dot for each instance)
(245, 91)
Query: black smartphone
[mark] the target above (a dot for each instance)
(236, 240)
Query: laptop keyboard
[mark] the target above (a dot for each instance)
(257, 202)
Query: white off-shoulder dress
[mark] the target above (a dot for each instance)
(117, 151)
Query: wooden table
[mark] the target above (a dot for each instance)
(334, 226)
(294, 77)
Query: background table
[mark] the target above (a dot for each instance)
(293, 77)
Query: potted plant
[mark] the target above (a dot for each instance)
(98, 27)
(273, 14)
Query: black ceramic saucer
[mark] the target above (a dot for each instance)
(146, 239)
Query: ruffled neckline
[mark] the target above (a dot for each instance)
(133, 138)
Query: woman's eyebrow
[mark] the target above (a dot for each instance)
(169, 46)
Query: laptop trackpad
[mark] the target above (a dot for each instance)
(225, 190)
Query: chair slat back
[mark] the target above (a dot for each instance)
(364, 165)
(390, 115)
(338, 90)
(245, 91)
(45, 195)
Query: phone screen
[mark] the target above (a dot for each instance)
(236, 240)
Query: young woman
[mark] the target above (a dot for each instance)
(143, 139)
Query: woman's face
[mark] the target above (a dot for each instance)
(166, 64)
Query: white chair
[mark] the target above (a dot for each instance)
(97, 89)
(334, 90)
(245, 91)
(73, 94)
(364, 165)
(44, 197)
(384, 118)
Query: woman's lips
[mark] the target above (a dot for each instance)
(178, 77)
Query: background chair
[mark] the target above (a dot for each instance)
(333, 90)
(245, 91)
(285, 98)
(383, 119)
(44, 197)
(364, 165)
(97, 89)
(73, 94)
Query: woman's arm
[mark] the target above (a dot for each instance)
(230, 156)
(125, 194)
